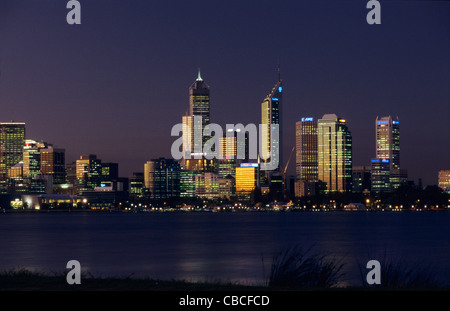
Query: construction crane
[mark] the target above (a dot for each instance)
(284, 173)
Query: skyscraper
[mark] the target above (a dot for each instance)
(53, 162)
(162, 178)
(388, 147)
(306, 150)
(388, 140)
(334, 153)
(380, 174)
(32, 158)
(306, 164)
(271, 114)
(12, 136)
(199, 106)
(88, 173)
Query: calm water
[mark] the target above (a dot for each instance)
(217, 246)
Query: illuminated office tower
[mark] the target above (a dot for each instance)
(207, 186)
(187, 184)
(380, 174)
(444, 180)
(32, 158)
(227, 156)
(12, 137)
(199, 101)
(88, 173)
(53, 162)
(388, 147)
(306, 165)
(246, 180)
(226, 188)
(334, 153)
(162, 178)
(271, 114)
(388, 140)
(136, 185)
(199, 106)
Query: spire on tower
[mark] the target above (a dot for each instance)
(199, 77)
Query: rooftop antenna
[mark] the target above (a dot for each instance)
(199, 77)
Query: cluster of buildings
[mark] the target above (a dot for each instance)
(35, 174)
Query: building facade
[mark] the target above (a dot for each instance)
(334, 153)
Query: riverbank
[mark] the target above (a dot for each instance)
(24, 280)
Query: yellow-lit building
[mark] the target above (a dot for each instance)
(334, 153)
(12, 137)
(444, 180)
(246, 180)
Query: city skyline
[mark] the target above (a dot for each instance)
(108, 91)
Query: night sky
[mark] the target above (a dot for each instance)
(116, 84)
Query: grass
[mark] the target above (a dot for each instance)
(400, 275)
(294, 268)
(298, 268)
(26, 280)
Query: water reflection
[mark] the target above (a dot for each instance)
(236, 247)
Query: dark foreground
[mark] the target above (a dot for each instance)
(24, 280)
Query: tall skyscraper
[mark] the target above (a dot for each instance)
(334, 153)
(271, 114)
(306, 163)
(199, 106)
(306, 150)
(388, 147)
(12, 136)
(388, 140)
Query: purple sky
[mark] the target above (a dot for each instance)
(116, 84)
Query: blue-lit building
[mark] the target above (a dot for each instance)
(271, 114)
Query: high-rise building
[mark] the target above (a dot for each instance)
(246, 180)
(187, 184)
(162, 178)
(199, 106)
(306, 164)
(53, 162)
(271, 118)
(380, 175)
(334, 153)
(444, 180)
(388, 147)
(12, 137)
(207, 186)
(388, 140)
(32, 158)
(88, 173)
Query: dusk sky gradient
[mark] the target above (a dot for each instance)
(116, 84)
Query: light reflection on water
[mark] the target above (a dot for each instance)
(235, 247)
